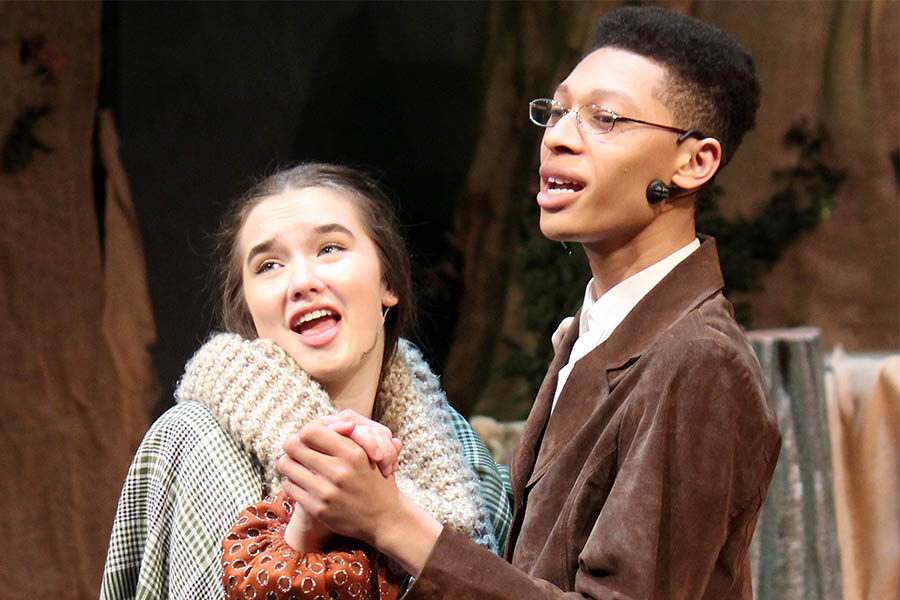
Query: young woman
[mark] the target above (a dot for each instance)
(316, 294)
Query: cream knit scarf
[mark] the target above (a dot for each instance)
(260, 396)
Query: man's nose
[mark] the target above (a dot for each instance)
(565, 136)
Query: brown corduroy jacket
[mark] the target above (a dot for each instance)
(647, 479)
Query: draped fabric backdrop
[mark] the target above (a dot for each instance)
(76, 383)
(835, 63)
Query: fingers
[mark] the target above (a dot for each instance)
(351, 416)
(380, 449)
(560, 332)
(321, 450)
(373, 437)
(306, 501)
(345, 435)
(342, 427)
(316, 488)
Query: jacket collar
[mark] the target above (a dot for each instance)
(692, 281)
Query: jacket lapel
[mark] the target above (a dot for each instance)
(522, 463)
(692, 281)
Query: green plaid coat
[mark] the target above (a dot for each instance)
(188, 482)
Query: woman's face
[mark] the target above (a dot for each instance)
(313, 284)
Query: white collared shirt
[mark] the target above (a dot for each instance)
(600, 316)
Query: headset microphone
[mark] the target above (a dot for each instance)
(657, 192)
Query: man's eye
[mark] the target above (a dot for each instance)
(604, 118)
(331, 248)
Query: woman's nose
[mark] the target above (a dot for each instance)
(305, 280)
(564, 136)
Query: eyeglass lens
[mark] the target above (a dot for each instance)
(590, 118)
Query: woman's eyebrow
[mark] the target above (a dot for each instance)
(269, 245)
(332, 228)
(260, 248)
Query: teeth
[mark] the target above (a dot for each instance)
(555, 185)
(313, 315)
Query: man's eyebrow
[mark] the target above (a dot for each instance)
(607, 94)
(601, 95)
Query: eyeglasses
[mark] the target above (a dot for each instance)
(590, 118)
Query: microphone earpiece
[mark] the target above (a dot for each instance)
(657, 192)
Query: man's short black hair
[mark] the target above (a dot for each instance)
(712, 84)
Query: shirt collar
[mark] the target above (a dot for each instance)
(607, 311)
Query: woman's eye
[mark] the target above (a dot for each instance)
(265, 266)
(331, 248)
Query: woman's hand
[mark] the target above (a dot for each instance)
(561, 330)
(377, 440)
(305, 533)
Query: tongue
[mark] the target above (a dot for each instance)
(317, 326)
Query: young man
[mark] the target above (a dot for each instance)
(647, 455)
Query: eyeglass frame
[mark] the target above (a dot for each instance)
(685, 133)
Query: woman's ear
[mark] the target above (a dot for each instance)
(698, 163)
(388, 298)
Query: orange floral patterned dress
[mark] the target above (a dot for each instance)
(258, 564)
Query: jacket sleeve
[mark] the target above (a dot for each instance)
(696, 450)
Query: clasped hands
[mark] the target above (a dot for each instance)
(339, 471)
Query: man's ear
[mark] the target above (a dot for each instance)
(698, 163)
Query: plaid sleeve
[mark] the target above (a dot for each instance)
(494, 478)
(129, 534)
(186, 485)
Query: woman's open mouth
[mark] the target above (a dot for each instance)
(317, 327)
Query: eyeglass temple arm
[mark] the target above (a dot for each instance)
(692, 132)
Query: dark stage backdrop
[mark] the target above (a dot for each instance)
(208, 95)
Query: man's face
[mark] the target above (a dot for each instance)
(593, 186)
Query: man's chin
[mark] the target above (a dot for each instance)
(555, 234)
